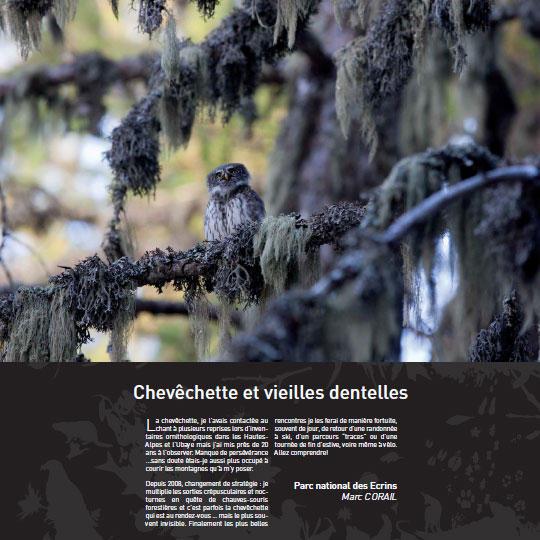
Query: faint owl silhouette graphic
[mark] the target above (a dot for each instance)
(232, 203)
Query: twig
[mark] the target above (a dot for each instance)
(163, 307)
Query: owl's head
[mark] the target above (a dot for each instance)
(226, 178)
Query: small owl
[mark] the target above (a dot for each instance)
(232, 202)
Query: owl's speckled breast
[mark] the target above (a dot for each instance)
(225, 216)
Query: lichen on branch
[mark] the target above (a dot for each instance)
(94, 295)
(377, 66)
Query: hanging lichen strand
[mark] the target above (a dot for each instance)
(353, 12)
(352, 314)
(100, 297)
(233, 53)
(185, 86)
(282, 248)
(29, 334)
(151, 15)
(23, 19)
(51, 323)
(457, 18)
(134, 159)
(207, 7)
(41, 327)
(509, 233)
(373, 68)
(289, 12)
(411, 181)
(235, 56)
(134, 153)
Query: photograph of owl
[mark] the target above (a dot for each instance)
(232, 202)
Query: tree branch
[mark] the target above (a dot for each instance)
(196, 267)
(39, 80)
(163, 307)
(159, 267)
(440, 200)
(322, 65)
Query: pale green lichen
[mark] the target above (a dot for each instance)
(282, 250)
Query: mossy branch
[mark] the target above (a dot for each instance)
(437, 202)
(97, 296)
(159, 267)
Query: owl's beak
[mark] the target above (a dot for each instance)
(226, 176)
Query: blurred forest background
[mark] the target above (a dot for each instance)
(56, 180)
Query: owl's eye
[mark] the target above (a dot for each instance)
(219, 175)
